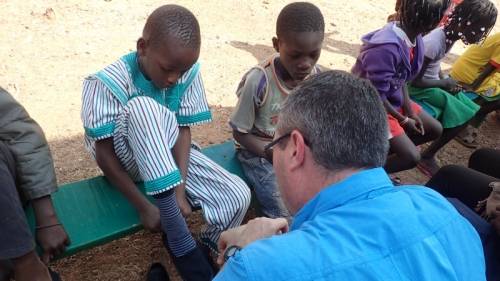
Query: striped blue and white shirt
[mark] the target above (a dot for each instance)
(108, 91)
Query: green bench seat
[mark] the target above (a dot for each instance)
(93, 212)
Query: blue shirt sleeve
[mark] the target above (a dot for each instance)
(234, 269)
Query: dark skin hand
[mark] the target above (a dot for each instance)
(414, 124)
(253, 144)
(112, 168)
(448, 84)
(180, 152)
(52, 237)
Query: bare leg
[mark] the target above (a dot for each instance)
(428, 161)
(404, 155)
(432, 128)
(30, 268)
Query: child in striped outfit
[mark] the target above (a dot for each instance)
(137, 113)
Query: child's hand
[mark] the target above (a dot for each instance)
(450, 84)
(150, 218)
(53, 241)
(414, 124)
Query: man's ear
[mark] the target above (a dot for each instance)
(276, 44)
(297, 150)
(141, 46)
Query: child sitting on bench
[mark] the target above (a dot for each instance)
(477, 69)
(391, 57)
(471, 22)
(26, 166)
(300, 32)
(137, 114)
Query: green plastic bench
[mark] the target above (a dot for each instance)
(93, 212)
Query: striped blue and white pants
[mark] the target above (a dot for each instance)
(144, 135)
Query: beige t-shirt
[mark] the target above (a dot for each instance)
(260, 95)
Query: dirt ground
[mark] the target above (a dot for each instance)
(49, 46)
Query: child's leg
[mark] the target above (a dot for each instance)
(467, 185)
(224, 197)
(428, 160)
(261, 175)
(486, 161)
(432, 128)
(144, 136)
(404, 155)
(486, 108)
(17, 243)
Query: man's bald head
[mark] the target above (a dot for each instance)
(172, 22)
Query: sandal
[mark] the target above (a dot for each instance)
(468, 137)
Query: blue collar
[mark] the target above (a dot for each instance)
(346, 191)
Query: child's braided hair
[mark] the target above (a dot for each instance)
(422, 15)
(479, 15)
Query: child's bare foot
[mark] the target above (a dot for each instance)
(30, 268)
(428, 166)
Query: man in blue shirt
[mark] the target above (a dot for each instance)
(350, 222)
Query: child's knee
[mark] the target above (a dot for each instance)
(411, 156)
(244, 195)
(435, 129)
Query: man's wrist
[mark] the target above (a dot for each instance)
(231, 251)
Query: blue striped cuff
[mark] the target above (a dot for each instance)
(199, 118)
(163, 184)
(106, 129)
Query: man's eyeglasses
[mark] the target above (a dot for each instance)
(270, 145)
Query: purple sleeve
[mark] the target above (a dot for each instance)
(379, 64)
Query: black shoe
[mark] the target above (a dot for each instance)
(194, 266)
(157, 273)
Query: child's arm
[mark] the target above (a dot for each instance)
(448, 84)
(487, 71)
(253, 144)
(112, 168)
(414, 123)
(180, 152)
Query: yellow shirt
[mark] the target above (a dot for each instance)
(468, 66)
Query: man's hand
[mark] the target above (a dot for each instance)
(184, 206)
(254, 230)
(53, 240)
(495, 220)
(150, 218)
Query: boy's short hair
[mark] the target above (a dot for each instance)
(173, 21)
(299, 17)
